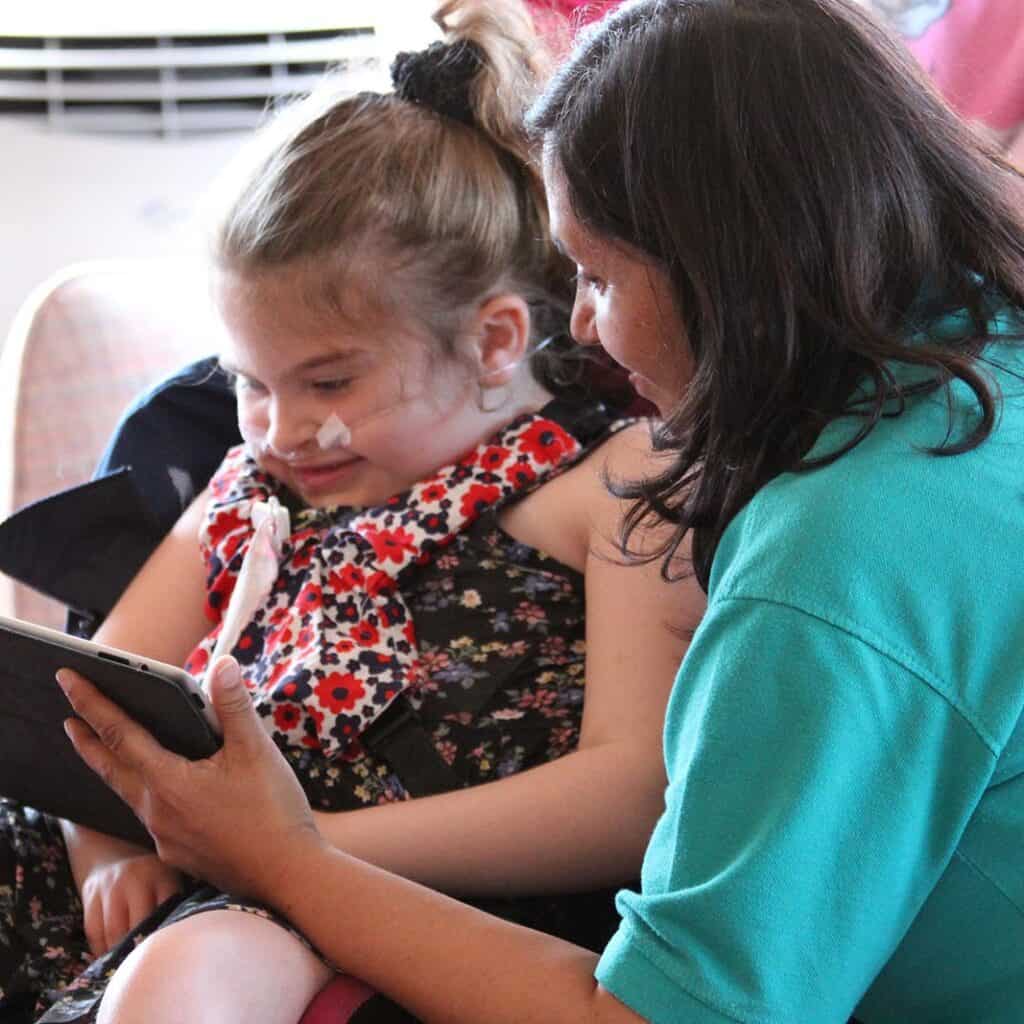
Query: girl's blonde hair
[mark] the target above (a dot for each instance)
(426, 212)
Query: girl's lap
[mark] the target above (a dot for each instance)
(172, 941)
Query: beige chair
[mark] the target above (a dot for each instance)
(84, 344)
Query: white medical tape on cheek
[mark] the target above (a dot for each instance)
(333, 433)
(255, 445)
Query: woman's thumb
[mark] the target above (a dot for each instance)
(230, 698)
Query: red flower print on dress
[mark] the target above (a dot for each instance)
(347, 578)
(314, 725)
(380, 583)
(276, 672)
(276, 637)
(231, 545)
(546, 442)
(478, 497)
(310, 598)
(287, 716)
(433, 523)
(520, 473)
(365, 634)
(336, 637)
(197, 661)
(494, 457)
(303, 554)
(279, 616)
(229, 522)
(391, 545)
(222, 482)
(433, 493)
(340, 691)
(218, 594)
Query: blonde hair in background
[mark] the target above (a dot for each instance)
(416, 208)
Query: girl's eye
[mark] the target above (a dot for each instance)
(331, 384)
(247, 384)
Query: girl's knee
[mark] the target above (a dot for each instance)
(220, 966)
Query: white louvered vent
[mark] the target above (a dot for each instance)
(175, 85)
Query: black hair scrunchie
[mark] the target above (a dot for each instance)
(439, 77)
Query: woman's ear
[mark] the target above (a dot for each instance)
(502, 337)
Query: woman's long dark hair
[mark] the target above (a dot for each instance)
(814, 203)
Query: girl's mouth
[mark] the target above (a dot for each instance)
(323, 479)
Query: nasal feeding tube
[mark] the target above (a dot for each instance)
(334, 432)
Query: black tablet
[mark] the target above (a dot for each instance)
(38, 765)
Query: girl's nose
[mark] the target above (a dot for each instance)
(287, 431)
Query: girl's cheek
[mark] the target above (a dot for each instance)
(250, 426)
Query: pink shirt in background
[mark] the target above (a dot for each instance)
(559, 20)
(974, 50)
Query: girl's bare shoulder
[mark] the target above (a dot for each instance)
(566, 516)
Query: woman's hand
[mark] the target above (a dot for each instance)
(234, 819)
(120, 884)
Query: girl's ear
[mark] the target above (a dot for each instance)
(502, 335)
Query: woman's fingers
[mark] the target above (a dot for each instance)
(119, 750)
(121, 779)
(219, 818)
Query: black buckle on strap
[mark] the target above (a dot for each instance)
(398, 737)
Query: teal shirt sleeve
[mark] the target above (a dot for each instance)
(818, 787)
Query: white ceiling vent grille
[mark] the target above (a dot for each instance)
(175, 85)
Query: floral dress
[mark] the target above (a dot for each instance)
(470, 652)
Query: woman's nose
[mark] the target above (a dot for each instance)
(581, 323)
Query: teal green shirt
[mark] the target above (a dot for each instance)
(844, 822)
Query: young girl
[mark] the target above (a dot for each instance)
(416, 629)
(834, 267)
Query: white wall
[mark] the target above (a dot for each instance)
(65, 198)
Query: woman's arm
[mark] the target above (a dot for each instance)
(241, 821)
(547, 829)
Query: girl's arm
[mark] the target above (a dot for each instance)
(160, 615)
(547, 829)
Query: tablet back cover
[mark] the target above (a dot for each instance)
(38, 765)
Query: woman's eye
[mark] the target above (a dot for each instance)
(585, 280)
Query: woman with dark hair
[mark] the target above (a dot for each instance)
(817, 274)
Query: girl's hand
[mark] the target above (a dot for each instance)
(120, 894)
(235, 819)
(120, 884)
